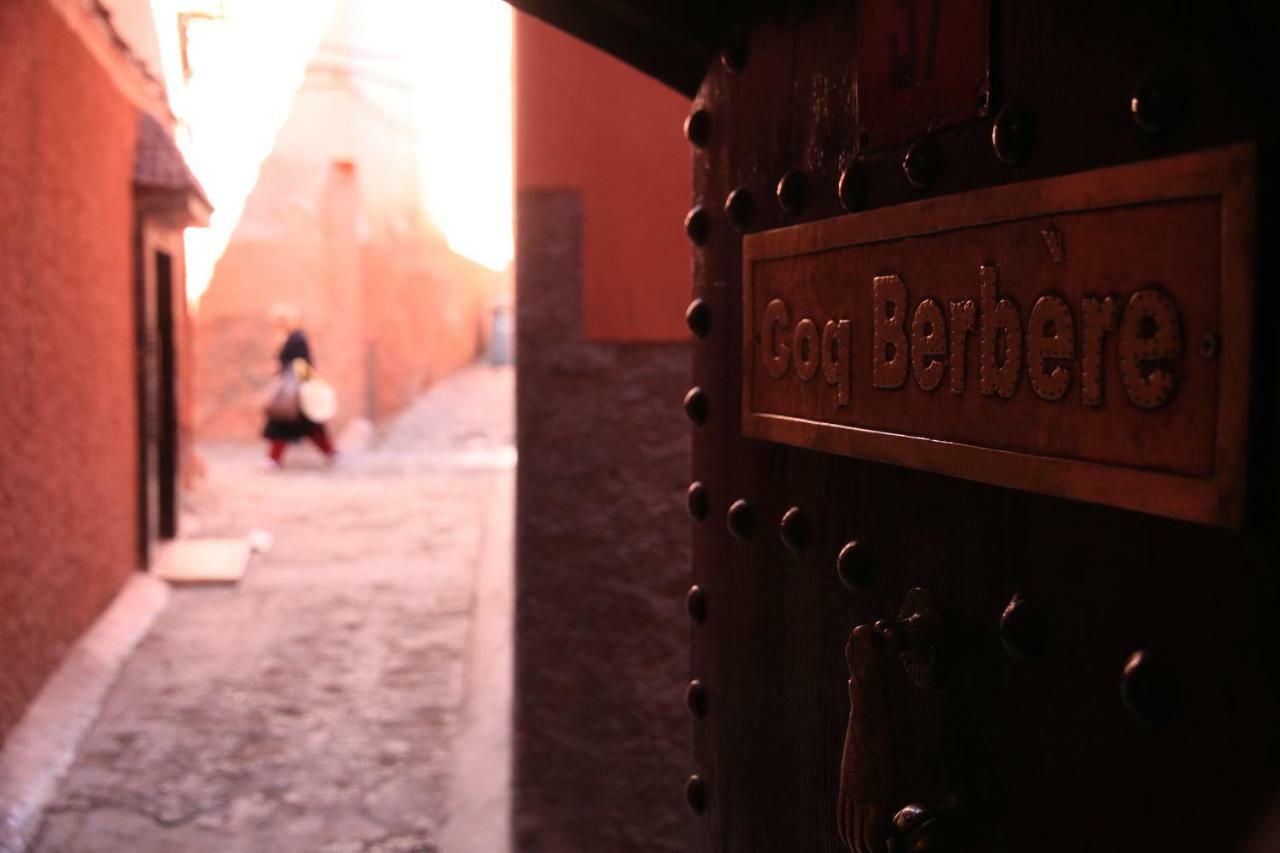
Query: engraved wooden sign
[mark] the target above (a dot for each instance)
(1087, 337)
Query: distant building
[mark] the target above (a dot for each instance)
(336, 225)
(94, 355)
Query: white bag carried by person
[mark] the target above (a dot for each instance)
(317, 399)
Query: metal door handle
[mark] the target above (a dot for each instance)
(866, 766)
(867, 773)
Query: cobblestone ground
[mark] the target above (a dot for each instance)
(311, 707)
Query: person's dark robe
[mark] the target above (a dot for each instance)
(295, 346)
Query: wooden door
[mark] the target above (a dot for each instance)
(1084, 529)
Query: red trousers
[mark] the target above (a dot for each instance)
(318, 434)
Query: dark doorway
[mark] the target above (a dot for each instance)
(157, 403)
(166, 399)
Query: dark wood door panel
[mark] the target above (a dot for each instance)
(1039, 753)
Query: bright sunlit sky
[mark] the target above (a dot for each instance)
(251, 58)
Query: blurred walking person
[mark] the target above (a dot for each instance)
(298, 402)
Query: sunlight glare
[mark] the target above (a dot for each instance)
(249, 57)
(463, 59)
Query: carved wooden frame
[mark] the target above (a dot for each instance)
(1226, 173)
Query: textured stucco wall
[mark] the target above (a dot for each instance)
(602, 564)
(68, 456)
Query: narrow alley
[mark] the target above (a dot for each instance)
(316, 705)
(889, 461)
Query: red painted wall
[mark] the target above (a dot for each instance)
(427, 312)
(586, 122)
(68, 458)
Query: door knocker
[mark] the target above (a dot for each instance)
(865, 813)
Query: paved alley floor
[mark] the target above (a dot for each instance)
(315, 706)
